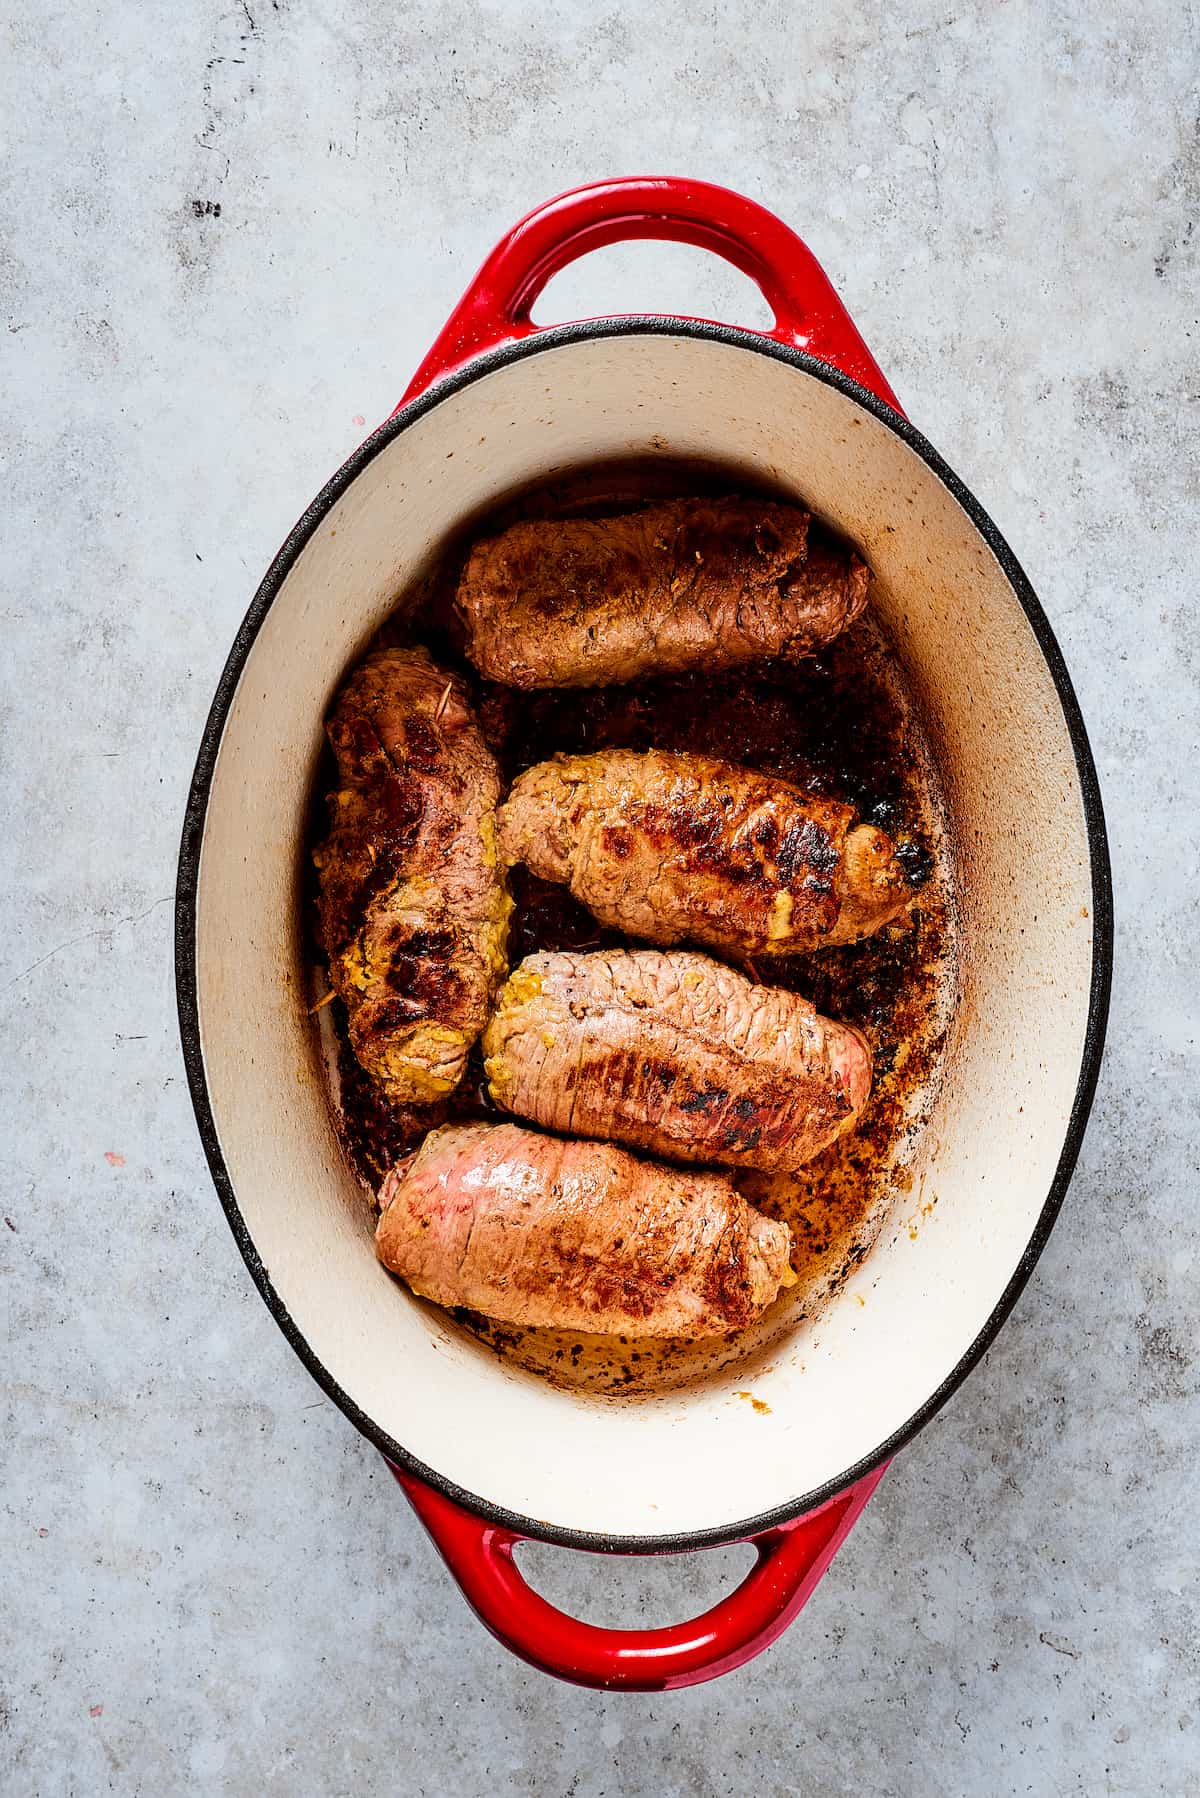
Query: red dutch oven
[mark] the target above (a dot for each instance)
(488, 1455)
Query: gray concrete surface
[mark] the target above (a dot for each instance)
(209, 1584)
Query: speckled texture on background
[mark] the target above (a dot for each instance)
(230, 232)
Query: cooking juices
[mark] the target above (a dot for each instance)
(839, 726)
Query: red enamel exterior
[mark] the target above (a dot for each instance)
(496, 310)
(496, 306)
(791, 1560)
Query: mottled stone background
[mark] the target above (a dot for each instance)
(229, 232)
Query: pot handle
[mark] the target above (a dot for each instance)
(496, 306)
(791, 1561)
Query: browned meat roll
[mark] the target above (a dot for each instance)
(679, 848)
(412, 909)
(530, 1229)
(674, 1054)
(691, 583)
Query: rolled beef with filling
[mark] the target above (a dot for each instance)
(687, 583)
(412, 908)
(531, 1229)
(681, 848)
(674, 1054)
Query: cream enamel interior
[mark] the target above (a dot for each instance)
(699, 1461)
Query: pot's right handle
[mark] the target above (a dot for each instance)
(497, 305)
(791, 1560)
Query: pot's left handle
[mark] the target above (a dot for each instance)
(791, 1561)
(497, 306)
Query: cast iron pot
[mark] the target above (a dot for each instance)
(488, 1455)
